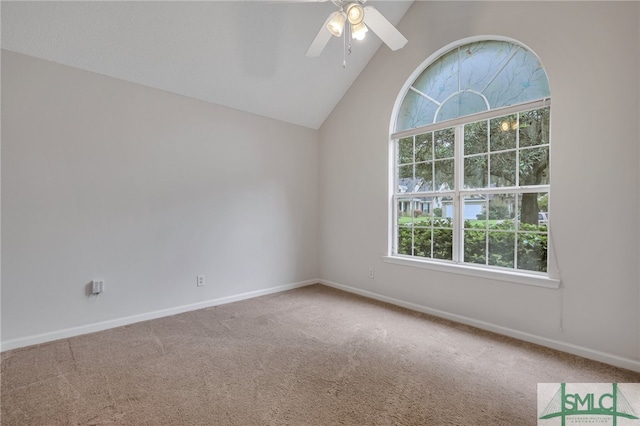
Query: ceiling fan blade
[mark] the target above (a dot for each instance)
(321, 40)
(383, 28)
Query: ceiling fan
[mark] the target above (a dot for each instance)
(355, 19)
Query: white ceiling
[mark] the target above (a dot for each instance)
(247, 55)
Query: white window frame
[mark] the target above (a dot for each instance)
(550, 279)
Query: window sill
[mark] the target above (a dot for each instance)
(508, 276)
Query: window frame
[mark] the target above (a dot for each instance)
(548, 279)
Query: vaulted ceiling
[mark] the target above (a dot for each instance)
(246, 55)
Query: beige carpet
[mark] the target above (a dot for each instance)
(311, 356)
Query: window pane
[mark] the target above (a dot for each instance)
(461, 104)
(405, 172)
(424, 173)
(493, 211)
(443, 244)
(405, 240)
(532, 211)
(534, 166)
(422, 243)
(444, 142)
(444, 175)
(476, 172)
(404, 212)
(532, 251)
(481, 61)
(502, 168)
(405, 150)
(424, 151)
(475, 207)
(422, 210)
(415, 111)
(481, 216)
(443, 212)
(534, 127)
(475, 138)
(415, 210)
(494, 225)
(521, 78)
(416, 224)
(502, 207)
(440, 79)
(503, 132)
(503, 72)
(409, 185)
(475, 246)
(442, 222)
(501, 248)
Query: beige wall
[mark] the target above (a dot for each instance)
(591, 54)
(144, 189)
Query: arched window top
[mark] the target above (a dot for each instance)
(472, 78)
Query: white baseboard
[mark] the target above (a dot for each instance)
(595, 355)
(584, 352)
(118, 322)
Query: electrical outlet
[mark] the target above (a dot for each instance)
(97, 286)
(200, 280)
(371, 273)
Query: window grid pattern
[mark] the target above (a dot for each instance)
(472, 78)
(483, 208)
(471, 171)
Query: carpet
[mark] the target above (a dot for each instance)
(309, 356)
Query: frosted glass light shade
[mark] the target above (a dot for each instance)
(336, 23)
(358, 31)
(355, 13)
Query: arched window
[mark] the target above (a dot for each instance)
(471, 160)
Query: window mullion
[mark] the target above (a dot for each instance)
(506, 190)
(516, 234)
(486, 115)
(458, 167)
(394, 197)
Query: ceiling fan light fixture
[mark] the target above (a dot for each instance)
(360, 20)
(336, 23)
(358, 31)
(355, 13)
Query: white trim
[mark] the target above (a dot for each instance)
(517, 277)
(424, 95)
(581, 351)
(451, 96)
(604, 357)
(119, 322)
(473, 118)
(473, 191)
